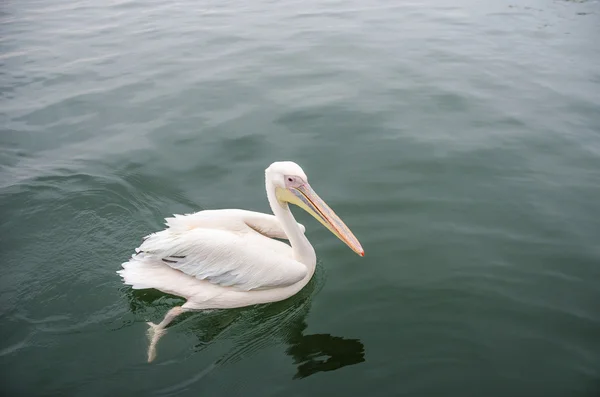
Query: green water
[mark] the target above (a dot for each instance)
(459, 141)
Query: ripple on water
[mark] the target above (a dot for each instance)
(105, 211)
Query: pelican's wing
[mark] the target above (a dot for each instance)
(267, 225)
(241, 259)
(233, 220)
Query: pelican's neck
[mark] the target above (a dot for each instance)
(303, 250)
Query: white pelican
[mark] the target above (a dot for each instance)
(220, 259)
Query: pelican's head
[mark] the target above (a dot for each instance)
(291, 186)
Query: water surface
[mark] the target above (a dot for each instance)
(460, 142)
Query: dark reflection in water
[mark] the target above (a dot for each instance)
(255, 328)
(324, 352)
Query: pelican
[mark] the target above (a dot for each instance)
(229, 258)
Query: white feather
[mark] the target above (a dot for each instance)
(243, 259)
(228, 248)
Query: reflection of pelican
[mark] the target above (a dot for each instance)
(250, 330)
(229, 258)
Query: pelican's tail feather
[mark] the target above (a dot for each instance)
(144, 271)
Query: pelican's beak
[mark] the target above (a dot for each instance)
(305, 197)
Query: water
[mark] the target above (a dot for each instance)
(460, 142)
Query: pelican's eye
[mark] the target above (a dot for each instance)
(292, 181)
